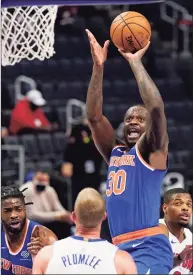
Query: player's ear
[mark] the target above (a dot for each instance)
(164, 207)
(73, 217)
(105, 216)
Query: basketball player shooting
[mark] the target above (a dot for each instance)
(136, 169)
(85, 252)
(21, 239)
(177, 209)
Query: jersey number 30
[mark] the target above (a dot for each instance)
(117, 182)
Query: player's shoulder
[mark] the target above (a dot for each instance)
(119, 147)
(108, 244)
(46, 235)
(33, 224)
(64, 242)
(164, 227)
(108, 248)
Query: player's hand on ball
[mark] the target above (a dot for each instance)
(134, 56)
(99, 54)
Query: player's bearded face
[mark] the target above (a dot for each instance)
(180, 209)
(13, 215)
(134, 124)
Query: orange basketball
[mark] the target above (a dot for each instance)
(130, 31)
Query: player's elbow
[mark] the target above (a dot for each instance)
(93, 118)
(93, 114)
(156, 110)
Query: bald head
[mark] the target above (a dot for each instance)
(89, 208)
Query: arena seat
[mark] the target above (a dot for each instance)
(107, 89)
(82, 69)
(185, 134)
(110, 112)
(48, 90)
(65, 66)
(183, 157)
(48, 111)
(62, 91)
(173, 133)
(125, 89)
(79, 26)
(30, 166)
(11, 140)
(182, 112)
(51, 67)
(61, 115)
(60, 142)
(165, 67)
(77, 90)
(45, 166)
(31, 146)
(46, 147)
(5, 118)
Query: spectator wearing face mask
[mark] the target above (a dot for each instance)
(28, 116)
(46, 206)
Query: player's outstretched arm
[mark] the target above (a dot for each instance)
(101, 128)
(124, 263)
(41, 260)
(42, 236)
(155, 140)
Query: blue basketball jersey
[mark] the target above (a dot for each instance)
(133, 192)
(19, 262)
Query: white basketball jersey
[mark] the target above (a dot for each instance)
(74, 255)
(177, 248)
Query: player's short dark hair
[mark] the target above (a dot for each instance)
(135, 105)
(12, 191)
(168, 195)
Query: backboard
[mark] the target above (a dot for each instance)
(13, 3)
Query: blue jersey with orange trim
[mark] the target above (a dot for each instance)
(133, 192)
(19, 262)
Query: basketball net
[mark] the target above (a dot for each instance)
(27, 32)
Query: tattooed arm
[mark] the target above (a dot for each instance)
(153, 145)
(101, 128)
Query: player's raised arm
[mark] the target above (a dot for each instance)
(101, 128)
(155, 140)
